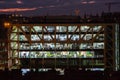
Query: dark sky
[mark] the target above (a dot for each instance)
(57, 7)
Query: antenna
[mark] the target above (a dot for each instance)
(77, 12)
(109, 4)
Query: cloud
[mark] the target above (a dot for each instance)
(88, 2)
(51, 6)
(19, 2)
(17, 9)
(2, 1)
(91, 2)
(11, 2)
(84, 2)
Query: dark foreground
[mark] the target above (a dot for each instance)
(54, 75)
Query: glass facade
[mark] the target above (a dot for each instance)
(83, 42)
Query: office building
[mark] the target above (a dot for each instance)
(62, 43)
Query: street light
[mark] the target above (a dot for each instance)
(7, 25)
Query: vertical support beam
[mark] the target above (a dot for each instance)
(9, 48)
(55, 45)
(117, 50)
(119, 44)
(18, 47)
(43, 45)
(80, 60)
(67, 46)
(104, 47)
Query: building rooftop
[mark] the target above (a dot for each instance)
(103, 18)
